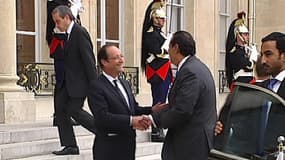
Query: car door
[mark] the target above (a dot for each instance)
(243, 117)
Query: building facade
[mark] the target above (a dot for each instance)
(119, 22)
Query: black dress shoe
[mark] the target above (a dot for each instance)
(67, 151)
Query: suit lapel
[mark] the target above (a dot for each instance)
(281, 90)
(111, 88)
(129, 93)
(69, 39)
(178, 75)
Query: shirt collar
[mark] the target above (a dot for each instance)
(182, 62)
(280, 76)
(70, 27)
(110, 78)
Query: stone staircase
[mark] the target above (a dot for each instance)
(36, 141)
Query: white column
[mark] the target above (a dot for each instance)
(16, 106)
(8, 77)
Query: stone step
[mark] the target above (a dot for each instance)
(33, 132)
(143, 153)
(41, 138)
(27, 149)
(150, 157)
(43, 131)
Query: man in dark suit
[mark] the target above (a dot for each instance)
(115, 109)
(191, 115)
(273, 60)
(79, 70)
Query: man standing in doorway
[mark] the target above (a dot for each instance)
(240, 56)
(155, 60)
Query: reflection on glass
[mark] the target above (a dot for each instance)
(242, 118)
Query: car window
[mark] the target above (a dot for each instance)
(242, 116)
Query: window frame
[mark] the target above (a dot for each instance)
(227, 16)
(169, 7)
(36, 32)
(103, 35)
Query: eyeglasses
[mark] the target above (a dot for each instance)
(117, 57)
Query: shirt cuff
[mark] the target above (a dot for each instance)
(131, 121)
(152, 121)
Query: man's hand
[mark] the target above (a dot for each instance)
(159, 106)
(141, 122)
(218, 127)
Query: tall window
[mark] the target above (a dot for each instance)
(175, 15)
(26, 31)
(224, 25)
(108, 22)
(175, 19)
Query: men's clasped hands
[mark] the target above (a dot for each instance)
(144, 122)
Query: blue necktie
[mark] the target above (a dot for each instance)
(271, 84)
(264, 117)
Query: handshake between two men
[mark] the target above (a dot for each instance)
(143, 122)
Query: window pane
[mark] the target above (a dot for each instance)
(99, 18)
(98, 46)
(174, 20)
(112, 19)
(116, 44)
(223, 6)
(25, 49)
(25, 15)
(222, 60)
(175, 1)
(223, 32)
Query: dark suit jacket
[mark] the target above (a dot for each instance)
(191, 115)
(79, 62)
(115, 138)
(276, 117)
(152, 44)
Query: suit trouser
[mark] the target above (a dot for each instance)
(67, 107)
(114, 147)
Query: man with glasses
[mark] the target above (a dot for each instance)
(115, 109)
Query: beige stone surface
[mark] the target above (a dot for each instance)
(17, 107)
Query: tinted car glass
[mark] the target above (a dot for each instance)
(243, 118)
